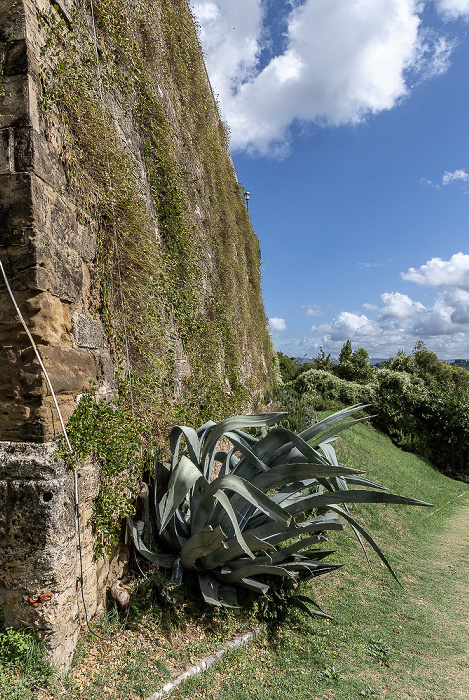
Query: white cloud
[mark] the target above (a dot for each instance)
(399, 308)
(401, 321)
(453, 9)
(313, 310)
(277, 325)
(342, 61)
(449, 178)
(452, 273)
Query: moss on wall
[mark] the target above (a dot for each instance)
(147, 158)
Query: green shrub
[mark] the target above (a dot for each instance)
(328, 391)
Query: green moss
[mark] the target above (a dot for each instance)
(179, 248)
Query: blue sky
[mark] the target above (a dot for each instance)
(349, 123)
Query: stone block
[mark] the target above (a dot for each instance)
(16, 204)
(38, 546)
(89, 332)
(12, 20)
(14, 103)
(70, 370)
(7, 149)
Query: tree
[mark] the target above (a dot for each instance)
(288, 367)
(345, 354)
(353, 366)
(323, 361)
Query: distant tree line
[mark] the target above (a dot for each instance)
(421, 401)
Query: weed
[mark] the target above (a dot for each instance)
(331, 674)
(380, 651)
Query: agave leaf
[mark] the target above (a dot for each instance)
(226, 505)
(274, 534)
(192, 443)
(164, 560)
(252, 464)
(160, 483)
(234, 550)
(252, 570)
(368, 538)
(243, 488)
(282, 554)
(288, 473)
(209, 587)
(183, 478)
(334, 418)
(300, 546)
(300, 602)
(177, 540)
(324, 500)
(335, 430)
(267, 448)
(237, 422)
(199, 545)
(228, 461)
(329, 452)
(252, 585)
(228, 596)
(360, 481)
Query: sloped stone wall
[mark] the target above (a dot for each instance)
(198, 343)
(47, 247)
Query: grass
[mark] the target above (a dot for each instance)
(385, 641)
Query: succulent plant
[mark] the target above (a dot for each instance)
(264, 514)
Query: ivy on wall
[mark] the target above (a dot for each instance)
(149, 164)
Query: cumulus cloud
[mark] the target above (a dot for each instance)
(399, 308)
(277, 325)
(452, 273)
(453, 9)
(339, 62)
(400, 320)
(457, 175)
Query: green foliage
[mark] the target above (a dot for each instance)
(326, 391)
(380, 651)
(353, 366)
(22, 664)
(182, 250)
(288, 368)
(263, 515)
(321, 361)
(106, 431)
(300, 407)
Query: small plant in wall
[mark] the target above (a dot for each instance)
(265, 515)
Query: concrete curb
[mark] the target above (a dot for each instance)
(206, 663)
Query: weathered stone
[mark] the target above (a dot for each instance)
(38, 545)
(89, 332)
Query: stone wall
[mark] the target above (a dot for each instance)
(189, 274)
(47, 247)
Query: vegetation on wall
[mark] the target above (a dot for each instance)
(147, 160)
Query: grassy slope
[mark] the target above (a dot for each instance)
(386, 642)
(418, 632)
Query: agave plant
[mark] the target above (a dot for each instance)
(269, 507)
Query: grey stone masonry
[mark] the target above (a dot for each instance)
(47, 248)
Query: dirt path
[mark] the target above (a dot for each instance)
(451, 557)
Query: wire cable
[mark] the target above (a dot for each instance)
(75, 471)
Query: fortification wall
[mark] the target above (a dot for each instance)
(127, 245)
